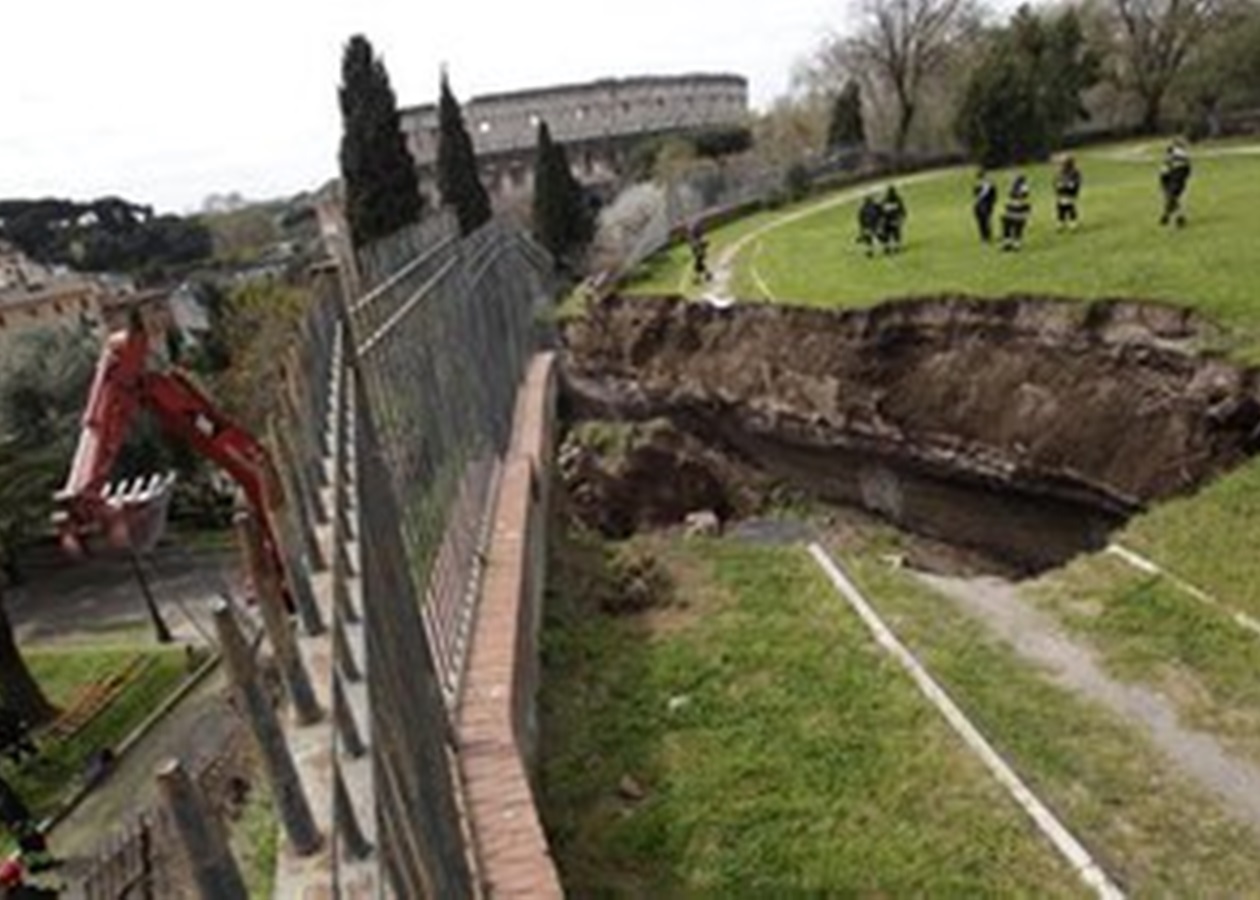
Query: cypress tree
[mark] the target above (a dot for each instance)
(846, 130)
(562, 219)
(379, 175)
(458, 181)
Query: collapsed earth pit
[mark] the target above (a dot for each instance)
(1027, 428)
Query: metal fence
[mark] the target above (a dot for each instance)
(441, 346)
(436, 350)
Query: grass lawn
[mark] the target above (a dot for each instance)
(49, 779)
(1156, 834)
(778, 752)
(1146, 629)
(1119, 251)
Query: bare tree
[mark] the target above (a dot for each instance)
(1158, 39)
(898, 48)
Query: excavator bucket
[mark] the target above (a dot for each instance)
(138, 510)
(131, 514)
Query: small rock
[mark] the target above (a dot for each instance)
(630, 789)
(676, 703)
(702, 523)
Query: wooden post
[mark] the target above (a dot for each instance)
(214, 869)
(276, 620)
(286, 787)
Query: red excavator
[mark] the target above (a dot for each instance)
(131, 515)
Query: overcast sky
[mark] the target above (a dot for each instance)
(165, 102)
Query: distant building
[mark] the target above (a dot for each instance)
(598, 122)
(37, 296)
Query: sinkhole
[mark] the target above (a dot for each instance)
(1024, 428)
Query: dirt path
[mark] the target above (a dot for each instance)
(1039, 639)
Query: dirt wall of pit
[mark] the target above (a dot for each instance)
(1094, 409)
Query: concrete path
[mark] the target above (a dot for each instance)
(194, 731)
(1038, 638)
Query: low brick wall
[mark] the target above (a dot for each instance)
(497, 727)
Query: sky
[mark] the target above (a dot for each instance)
(166, 102)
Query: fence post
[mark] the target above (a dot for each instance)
(276, 619)
(347, 726)
(347, 820)
(290, 797)
(213, 867)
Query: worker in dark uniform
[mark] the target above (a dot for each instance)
(984, 200)
(892, 215)
(1173, 177)
(699, 252)
(870, 223)
(1067, 187)
(1015, 216)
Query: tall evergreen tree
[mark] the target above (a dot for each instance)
(458, 181)
(379, 175)
(1026, 91)
(562, 218)
(846, 131)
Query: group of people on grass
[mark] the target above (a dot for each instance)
(880, 221)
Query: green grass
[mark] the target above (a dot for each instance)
(1119, 251)
(1147, 629)
(1153, 832)
(797, 759)
(1144, 630)
(48, 780)
(1209, 538)
(255, 840)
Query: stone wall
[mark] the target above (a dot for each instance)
(597, 122)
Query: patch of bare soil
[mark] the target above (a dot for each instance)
(1027, 426)
(1037, 637)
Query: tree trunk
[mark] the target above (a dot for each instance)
(1152, 102)
(18, 688)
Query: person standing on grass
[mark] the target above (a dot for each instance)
(1067, 187)
(699, 252)
(892, 215)
(1173, 177)
(984, 200)
(1015, 216)
(870, 216)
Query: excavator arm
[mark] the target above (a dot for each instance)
(122, 387)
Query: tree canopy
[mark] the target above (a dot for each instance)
(845, 129)
(458, 180)
(105, 235)
(381, 187)
(562, 217)
(1026, 91)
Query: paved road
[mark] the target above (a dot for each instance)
(64, 600)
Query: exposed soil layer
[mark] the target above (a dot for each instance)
(1028, 426)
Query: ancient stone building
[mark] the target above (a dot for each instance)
(598, 122)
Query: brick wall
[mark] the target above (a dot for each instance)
(497, 726)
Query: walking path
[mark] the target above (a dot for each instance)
(1054, 830)
(724, 266)
(1038, 638)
